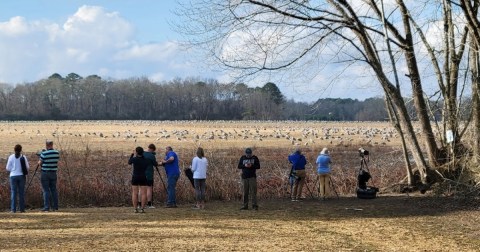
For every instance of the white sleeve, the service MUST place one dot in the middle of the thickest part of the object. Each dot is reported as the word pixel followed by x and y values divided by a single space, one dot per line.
pixel 9 163
pixel 194 164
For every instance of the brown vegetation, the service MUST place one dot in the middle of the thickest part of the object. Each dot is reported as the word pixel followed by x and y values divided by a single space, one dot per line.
pixel 94 171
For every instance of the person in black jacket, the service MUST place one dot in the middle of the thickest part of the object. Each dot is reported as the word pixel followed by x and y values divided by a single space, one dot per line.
pixel 139 179
pixel 249 164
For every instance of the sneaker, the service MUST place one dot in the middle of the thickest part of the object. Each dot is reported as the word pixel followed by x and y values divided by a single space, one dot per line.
pixel 151 207
pixel 142 210
pixel 294 200
pixel 136 210
pixel 45 210
pixel 244 208
pixel 196 207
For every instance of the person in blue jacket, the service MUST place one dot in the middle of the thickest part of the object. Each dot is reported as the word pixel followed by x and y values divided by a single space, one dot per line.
pixel 173 173
pixel 323 169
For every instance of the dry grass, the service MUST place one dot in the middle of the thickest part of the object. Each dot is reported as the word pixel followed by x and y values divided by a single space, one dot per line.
pixel 384 224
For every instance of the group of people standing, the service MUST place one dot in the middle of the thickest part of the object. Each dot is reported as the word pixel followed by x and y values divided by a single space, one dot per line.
pixel 298 174
pixel 18 167
pixel 143 164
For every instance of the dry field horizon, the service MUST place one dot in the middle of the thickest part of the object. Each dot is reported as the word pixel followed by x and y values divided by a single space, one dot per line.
pixel 125 135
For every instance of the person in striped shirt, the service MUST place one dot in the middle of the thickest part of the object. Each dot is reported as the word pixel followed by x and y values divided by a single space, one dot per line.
pixel 49 164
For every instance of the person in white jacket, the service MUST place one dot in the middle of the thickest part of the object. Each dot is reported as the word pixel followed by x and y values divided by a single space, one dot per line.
pixel 17 179
pixel 199 169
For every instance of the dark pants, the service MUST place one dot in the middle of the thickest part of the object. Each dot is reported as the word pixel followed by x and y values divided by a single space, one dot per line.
pixel 200 189
pixel 249 190
pixel 49 187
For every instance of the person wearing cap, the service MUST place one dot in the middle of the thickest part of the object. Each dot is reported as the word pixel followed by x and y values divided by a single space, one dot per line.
pixel 49 164
pixel 17 179
pixel 298 161
pixel 249 164
pixel 323 169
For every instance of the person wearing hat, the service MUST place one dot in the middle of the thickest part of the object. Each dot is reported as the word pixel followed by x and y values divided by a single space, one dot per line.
pixel 249 164
pixel 49 163
pixel 323 168
pixel 298 161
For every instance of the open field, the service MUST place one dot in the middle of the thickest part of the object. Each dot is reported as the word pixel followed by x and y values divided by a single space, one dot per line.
pixel 125 135
pixel 397 223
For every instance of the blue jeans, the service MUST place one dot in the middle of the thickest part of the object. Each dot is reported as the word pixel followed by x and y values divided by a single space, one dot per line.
pixel 49 187
pixel 171 188
pixel 17 187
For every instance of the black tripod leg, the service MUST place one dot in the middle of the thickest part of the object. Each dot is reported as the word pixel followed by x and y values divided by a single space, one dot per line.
pixel 161 179
pixel 33 176
pixel 333 187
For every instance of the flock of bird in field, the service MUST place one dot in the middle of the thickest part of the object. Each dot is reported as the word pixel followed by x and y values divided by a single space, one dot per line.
pixel 286 133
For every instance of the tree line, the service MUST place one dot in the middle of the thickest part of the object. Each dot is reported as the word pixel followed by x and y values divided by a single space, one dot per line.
pixel 74 97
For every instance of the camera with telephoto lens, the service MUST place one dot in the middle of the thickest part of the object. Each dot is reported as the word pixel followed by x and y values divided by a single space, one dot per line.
pixel 362 152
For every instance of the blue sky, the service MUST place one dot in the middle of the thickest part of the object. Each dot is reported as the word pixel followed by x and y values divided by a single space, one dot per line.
pixel 114 39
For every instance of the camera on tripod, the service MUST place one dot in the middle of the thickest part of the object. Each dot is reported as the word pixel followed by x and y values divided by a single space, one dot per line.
pixel 363 152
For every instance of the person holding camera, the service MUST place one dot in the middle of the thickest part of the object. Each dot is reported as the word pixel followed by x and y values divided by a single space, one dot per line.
pixel 150 155
pixel 173 173
pixel 249 164
pixel 199 169
pixel 139 180
pixel 49 162
pixel 298 161
pixel 18 166
pixel 323 169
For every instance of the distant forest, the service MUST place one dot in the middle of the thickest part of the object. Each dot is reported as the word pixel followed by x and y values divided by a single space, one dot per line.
pixel 93 98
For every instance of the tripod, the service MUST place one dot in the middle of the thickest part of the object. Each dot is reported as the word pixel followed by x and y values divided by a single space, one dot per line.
pixel 161 179
pixel 332 185
pixel 364 172
pixel 29 183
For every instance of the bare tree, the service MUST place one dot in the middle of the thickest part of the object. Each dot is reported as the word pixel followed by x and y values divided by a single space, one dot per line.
pixel 426 40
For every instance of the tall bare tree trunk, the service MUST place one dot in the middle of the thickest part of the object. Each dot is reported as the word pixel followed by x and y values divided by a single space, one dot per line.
pixel 475 69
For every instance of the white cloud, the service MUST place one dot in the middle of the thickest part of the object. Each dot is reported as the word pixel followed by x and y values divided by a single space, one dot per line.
pixel 151 52
pixel 16 26
pixel 90 41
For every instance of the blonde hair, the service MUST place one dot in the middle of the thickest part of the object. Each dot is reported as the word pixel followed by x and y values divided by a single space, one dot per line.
pixel 324 151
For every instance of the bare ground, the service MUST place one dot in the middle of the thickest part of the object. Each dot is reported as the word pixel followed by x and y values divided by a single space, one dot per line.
pixel 388 223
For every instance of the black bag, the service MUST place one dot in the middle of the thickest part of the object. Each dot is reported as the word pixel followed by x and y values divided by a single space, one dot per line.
pixel 367 193
pixel 363 178
pixel 24 166
pixel 189 174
